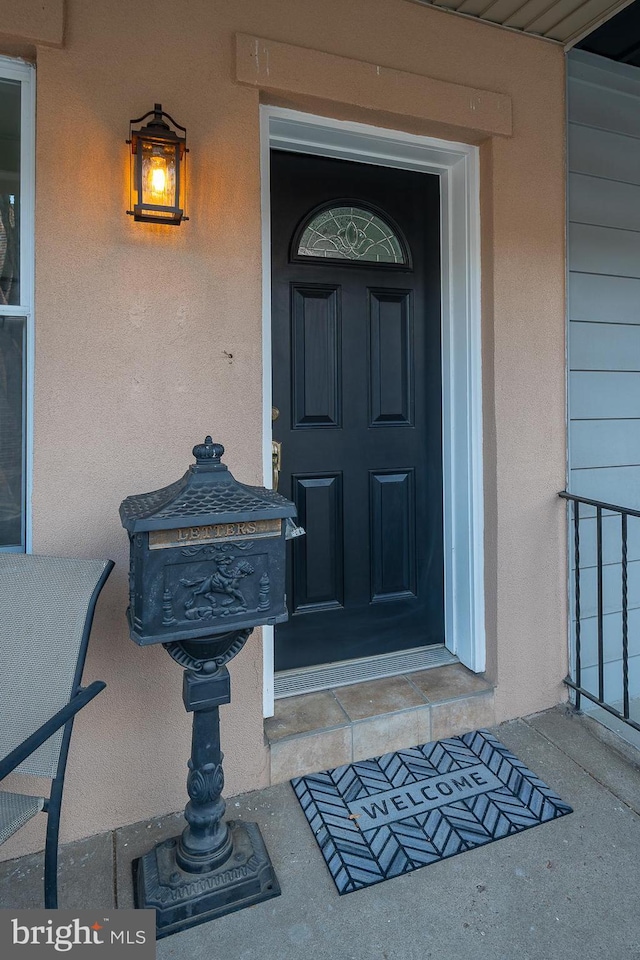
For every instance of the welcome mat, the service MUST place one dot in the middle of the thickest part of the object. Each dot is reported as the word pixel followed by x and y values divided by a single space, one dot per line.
pixel 379 818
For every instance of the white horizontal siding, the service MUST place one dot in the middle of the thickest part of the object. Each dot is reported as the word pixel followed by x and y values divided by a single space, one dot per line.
pixel 602 299
pixel 604 349
pixel 601 346
pixel 603 154
pixel 605 109
pixel 605 203
pixel 604 395
pixel 613 679
pixel 604 250
pixel 611 538
pixel 616 485
pixel 600 443
pixel 611 637
pixel 611 589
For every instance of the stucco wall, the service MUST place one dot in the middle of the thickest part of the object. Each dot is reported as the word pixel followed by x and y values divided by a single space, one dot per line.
pixel 148 338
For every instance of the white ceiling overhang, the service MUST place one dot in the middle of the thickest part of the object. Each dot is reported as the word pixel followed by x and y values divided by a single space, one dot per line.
pixel 564 21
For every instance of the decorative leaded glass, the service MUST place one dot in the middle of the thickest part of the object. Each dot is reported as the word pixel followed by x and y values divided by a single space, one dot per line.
pixel 350 233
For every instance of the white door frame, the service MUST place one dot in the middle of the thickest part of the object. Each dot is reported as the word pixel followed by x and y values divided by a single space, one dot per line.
pixel 458 167
pixel 24 72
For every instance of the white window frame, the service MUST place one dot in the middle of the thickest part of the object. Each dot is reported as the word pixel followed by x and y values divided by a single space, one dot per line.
pixel 11 69
pixel 458 167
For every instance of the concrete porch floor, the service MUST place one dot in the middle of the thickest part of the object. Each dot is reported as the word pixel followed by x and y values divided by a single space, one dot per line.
pixel 567 889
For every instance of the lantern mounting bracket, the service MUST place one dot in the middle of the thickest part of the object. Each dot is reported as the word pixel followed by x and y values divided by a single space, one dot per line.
pixel 158 113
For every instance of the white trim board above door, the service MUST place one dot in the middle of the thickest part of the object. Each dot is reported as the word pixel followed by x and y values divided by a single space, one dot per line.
pixel 457 166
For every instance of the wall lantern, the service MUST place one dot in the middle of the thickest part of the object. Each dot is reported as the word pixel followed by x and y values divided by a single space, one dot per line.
pixel 157 169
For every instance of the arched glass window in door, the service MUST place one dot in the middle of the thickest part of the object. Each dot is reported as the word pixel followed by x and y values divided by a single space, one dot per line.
pixel 349 232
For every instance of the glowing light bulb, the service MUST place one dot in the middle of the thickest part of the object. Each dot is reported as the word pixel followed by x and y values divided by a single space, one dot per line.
pixel 158 180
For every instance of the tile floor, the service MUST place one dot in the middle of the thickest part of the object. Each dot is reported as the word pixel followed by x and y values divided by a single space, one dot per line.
pixel 328 728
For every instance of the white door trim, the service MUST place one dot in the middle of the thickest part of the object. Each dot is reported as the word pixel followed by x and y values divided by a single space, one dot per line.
pixel 457 165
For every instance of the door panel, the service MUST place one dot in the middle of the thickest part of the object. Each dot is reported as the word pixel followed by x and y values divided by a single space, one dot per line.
pixel 391 358
pixel 357 380
pixel 317 342
pixel 393 545
pixel 318 562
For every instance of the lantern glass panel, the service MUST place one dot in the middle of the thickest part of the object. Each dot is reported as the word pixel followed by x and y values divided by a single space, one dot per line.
pixel 158 185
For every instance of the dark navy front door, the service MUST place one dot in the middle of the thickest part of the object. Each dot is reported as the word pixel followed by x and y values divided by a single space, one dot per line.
pixel 357 395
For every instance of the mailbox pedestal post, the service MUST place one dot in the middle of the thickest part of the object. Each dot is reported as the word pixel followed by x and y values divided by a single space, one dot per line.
pixel 207 566
pixel 215 866
pixel 207 842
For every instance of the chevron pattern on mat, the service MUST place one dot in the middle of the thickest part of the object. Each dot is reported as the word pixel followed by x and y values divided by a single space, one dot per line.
pixel 379 818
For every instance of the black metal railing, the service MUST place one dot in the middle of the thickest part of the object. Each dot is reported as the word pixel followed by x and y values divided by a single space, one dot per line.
pixel 575 682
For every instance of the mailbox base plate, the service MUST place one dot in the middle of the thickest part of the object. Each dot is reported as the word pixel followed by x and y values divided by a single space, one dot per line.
pixel 182 899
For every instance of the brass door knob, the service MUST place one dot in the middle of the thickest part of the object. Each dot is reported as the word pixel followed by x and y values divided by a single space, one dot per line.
pixel 276 462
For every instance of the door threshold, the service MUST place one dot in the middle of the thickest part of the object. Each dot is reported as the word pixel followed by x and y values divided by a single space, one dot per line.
pixel 290 683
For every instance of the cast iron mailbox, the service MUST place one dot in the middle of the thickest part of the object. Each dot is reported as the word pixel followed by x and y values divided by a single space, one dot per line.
pixel 207 554
pixel 207 565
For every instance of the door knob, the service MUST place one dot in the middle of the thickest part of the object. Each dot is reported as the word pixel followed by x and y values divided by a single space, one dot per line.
pixel 276 462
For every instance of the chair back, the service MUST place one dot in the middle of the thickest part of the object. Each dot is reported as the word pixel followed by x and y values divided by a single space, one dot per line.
pixel 46 610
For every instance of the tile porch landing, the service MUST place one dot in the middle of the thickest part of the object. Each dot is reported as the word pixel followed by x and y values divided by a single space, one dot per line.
pixel 328 728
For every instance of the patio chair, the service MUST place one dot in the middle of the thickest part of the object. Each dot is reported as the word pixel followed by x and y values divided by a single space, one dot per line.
pixel 46 611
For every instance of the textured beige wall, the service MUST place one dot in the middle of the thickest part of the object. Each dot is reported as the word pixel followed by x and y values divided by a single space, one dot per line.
pixel 33 21
pixel 150 337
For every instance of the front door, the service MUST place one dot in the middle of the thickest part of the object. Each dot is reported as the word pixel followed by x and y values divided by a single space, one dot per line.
pixel 357 406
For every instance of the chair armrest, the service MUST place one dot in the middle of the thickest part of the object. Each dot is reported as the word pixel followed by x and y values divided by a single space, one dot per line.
pixel 49 727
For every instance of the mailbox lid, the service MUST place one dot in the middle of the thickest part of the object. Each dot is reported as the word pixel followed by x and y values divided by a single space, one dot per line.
pixel 208 493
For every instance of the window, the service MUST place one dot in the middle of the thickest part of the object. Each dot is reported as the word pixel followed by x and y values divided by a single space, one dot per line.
pixel 16 298
pixel 351 233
